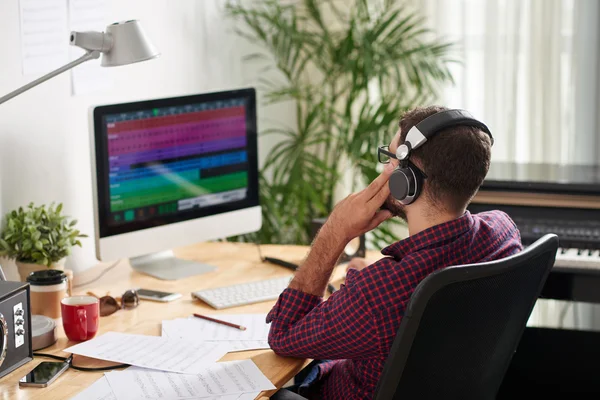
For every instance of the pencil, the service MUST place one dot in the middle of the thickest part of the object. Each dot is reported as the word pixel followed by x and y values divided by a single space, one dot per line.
pixel 218 321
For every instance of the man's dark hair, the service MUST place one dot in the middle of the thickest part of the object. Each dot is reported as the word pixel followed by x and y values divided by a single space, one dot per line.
pixel 455 160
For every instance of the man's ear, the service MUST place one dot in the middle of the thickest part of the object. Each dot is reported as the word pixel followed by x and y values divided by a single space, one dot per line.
pixel 396 140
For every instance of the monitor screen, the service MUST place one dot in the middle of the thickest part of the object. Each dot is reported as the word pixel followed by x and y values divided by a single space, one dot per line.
pixel 170 160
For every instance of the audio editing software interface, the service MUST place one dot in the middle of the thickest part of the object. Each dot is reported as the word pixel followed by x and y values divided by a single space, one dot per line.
pixel 168 160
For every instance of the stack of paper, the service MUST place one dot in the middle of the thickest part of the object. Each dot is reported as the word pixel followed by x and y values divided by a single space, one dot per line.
pixel 242 378
pixel 198 330
pixel 169 368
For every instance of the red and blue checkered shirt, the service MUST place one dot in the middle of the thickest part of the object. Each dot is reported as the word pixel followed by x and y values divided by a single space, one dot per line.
pixel 356 326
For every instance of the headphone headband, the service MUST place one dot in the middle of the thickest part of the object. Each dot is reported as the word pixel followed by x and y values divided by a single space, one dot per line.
pixel 406 181
pixel 435 123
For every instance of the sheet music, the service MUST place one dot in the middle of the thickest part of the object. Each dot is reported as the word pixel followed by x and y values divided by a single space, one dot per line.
pixel 101 390
pixel 242 345
pixel 44 35
pixel 201 329
pixel 88 15
pixel 216 380
pixel 181 330
pixel 153 352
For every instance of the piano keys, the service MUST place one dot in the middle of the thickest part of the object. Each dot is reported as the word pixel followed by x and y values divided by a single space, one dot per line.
pixel 578 258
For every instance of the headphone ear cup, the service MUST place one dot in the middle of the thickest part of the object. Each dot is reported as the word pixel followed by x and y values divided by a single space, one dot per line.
pixel 405 184
pixel 418 184
pixel 400 183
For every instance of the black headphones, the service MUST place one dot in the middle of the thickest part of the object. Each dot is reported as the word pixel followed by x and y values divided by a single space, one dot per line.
pixel 407 180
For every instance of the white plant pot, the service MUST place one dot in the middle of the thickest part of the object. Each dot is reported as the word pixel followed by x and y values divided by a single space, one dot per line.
pixel 27 268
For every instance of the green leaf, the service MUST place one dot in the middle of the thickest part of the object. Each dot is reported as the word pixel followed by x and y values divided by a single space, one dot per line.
pixel 39 234
pixel 349 70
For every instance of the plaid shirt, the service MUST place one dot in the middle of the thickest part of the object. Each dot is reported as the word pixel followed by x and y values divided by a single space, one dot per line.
pixel 356 326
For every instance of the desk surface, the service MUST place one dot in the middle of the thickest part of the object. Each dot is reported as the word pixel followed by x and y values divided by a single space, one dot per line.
pixel 237 263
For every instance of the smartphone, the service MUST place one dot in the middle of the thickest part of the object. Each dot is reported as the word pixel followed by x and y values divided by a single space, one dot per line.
pixel 44 374
pixel 156 295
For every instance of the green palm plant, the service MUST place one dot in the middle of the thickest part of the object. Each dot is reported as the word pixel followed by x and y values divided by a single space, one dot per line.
pixel 351 68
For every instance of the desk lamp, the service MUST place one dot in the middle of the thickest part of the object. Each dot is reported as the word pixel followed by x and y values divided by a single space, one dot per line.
pixel 123 43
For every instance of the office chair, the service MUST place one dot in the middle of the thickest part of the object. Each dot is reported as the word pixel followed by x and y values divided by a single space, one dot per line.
pixel 462 326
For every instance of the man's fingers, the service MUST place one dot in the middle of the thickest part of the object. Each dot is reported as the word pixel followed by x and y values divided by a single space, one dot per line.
pixel 377 200
pixel 381 216
pixel 379 182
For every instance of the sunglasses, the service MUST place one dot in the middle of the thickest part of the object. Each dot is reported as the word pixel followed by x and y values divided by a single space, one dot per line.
pixel 110 305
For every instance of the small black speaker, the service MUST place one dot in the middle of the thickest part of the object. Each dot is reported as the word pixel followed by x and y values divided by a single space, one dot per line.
pixel 356 248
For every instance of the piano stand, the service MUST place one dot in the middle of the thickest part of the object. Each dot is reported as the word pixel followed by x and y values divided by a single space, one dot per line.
pixel 573 284
pixel 554 363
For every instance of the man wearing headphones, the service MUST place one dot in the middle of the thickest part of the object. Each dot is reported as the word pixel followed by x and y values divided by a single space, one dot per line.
pixel 434 166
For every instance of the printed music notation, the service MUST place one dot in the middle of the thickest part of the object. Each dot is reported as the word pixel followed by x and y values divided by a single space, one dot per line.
pixel 44 35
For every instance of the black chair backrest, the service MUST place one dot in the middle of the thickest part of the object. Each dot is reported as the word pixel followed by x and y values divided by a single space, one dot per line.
pixel 463 324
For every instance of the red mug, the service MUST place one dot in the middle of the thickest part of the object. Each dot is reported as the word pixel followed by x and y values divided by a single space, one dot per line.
pixel 80 317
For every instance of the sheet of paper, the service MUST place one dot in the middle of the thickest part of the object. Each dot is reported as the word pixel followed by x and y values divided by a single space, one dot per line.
pixel 99 390
pixel 242 345
pixel 44 35
pixel 200 329
pixel 218 379
pixel 88 15
pixel 153 352
pixel 247 396
pixel 176 329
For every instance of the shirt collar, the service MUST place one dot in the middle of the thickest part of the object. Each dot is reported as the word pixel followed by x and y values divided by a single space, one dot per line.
pixel 430 236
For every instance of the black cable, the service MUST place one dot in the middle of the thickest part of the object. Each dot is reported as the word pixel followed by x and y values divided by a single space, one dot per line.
pixel 99 276
pixel 75 367
pixel 330 288
pixel 257 243
pixel 98 369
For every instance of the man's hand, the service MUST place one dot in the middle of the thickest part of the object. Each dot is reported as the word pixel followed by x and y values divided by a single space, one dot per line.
pixel 356 214
pixel 360 212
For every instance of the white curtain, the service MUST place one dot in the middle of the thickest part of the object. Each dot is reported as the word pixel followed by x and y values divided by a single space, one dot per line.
pixel 529 69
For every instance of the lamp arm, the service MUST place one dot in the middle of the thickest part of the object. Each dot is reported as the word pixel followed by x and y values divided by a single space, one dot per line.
pixel 90 55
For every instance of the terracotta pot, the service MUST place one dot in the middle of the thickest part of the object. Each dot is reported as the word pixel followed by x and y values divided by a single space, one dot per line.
pixel 27 268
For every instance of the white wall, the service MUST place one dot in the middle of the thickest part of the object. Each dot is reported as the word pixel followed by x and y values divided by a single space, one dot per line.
pixel 44 142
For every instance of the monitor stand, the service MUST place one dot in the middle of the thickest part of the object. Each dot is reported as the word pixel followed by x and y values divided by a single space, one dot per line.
pixel 166 266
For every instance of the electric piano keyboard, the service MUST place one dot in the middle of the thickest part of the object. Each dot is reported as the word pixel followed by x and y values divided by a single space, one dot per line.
pixel 545 198
pixel 578 258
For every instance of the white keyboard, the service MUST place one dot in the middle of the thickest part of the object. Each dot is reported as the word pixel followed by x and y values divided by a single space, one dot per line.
pixel 577 258
pixel 244 293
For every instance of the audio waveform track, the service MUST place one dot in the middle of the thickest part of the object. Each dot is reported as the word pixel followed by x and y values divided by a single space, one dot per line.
pixel 165 163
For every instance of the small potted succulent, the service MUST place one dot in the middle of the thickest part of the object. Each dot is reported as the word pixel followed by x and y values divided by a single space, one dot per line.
pixel 38 238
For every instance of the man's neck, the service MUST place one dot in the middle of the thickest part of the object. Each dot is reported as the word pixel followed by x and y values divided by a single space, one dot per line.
pixel 419 222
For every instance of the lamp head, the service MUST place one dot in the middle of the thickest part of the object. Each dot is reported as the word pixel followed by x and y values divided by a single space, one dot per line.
pixel 123 43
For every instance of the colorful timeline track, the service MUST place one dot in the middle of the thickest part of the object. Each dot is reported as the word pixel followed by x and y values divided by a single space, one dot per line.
pixel 169 158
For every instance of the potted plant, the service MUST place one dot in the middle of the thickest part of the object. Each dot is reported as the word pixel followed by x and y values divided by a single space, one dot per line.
pixel 38 238
pixel 348 69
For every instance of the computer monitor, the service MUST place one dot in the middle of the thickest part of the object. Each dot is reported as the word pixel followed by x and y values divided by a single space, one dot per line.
pixel 173 172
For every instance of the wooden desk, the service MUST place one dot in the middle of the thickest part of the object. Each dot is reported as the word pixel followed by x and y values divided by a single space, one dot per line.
pixel 237 263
